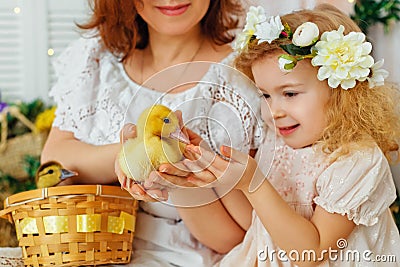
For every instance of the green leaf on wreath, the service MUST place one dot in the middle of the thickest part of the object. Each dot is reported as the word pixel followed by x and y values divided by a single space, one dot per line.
pixel 293 50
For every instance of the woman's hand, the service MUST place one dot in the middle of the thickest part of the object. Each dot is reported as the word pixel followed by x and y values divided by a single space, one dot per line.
pixel 135 189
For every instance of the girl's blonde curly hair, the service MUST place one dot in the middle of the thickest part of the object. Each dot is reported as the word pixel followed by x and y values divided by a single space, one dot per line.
pixel 358 117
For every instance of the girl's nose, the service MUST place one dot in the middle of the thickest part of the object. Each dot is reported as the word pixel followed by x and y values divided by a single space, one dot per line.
pixel 277 111
pixel 278 114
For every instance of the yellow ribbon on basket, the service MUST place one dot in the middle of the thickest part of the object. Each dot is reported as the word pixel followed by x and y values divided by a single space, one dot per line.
pixel 85 223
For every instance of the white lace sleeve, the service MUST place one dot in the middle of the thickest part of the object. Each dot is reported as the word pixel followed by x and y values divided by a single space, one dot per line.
pixel 235 116
pixel 75 69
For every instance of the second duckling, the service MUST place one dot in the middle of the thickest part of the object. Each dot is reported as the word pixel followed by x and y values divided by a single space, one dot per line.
pixel 51 173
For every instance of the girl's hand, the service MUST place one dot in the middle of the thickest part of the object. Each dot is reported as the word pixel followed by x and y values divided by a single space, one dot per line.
pixel 136 190
pixel 209 169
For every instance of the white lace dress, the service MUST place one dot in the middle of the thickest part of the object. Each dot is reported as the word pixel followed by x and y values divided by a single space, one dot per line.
pixel 93 93
pixel 359 186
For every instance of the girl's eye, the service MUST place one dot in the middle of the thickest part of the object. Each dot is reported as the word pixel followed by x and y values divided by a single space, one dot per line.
pixel 290 94
pixel 266 96
pixel 166 120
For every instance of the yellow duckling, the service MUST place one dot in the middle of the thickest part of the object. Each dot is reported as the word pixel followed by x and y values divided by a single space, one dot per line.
pixel 51 173
pixel 159 140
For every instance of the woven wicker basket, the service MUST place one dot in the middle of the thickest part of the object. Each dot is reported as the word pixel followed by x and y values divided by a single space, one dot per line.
pixel 13 150
pixel 73 225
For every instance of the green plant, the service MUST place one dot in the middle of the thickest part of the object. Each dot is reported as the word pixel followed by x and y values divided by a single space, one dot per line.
pixel 30 110
pixel 32 163
pixel 9 185
pixel 370 12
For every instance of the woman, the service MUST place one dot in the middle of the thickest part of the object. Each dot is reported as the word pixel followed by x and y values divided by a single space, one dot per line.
pixel 104 75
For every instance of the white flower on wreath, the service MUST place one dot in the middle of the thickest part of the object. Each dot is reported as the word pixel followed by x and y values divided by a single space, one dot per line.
pixel 343 59
pixel 269 31
pixel 286 63
pixel 306 34
pixel 241 41
pixel 378 75
pixel 255 16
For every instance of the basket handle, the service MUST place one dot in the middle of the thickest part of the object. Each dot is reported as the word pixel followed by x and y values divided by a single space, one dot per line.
pixel 6 213
pixel 13 110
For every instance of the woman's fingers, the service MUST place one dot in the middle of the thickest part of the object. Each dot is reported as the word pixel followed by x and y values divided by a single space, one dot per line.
pixel 127 132
pixel 158 180
pixel 177 169
pixel 132 187
pixel 158 195
pixel 136 190
pixel 139 193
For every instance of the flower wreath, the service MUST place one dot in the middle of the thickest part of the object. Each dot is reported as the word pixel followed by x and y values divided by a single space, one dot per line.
pixel 342 59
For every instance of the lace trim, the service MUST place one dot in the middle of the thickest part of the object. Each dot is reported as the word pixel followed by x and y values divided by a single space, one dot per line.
pixel 11 261
pixel 225 94
pixel 113 113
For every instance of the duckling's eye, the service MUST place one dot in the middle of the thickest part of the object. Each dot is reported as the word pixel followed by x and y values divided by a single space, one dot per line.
pixel 166 120
pixel 50 172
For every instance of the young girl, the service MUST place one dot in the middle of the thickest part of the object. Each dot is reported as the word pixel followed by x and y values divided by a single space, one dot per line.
pixel 326 193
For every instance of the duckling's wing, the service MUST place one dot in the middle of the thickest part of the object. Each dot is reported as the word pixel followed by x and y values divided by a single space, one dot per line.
pixel 138 158
pixel 135 160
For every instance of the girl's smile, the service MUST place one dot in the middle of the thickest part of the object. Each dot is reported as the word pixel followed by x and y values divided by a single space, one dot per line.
pixel 288 130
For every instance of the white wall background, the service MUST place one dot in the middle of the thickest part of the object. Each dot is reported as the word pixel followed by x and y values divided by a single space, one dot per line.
pixel 28 29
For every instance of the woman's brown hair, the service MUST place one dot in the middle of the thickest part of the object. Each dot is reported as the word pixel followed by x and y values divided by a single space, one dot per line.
pixel 355 116
pixel 122 29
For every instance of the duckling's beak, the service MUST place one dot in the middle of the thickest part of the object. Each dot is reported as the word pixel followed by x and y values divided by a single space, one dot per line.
pixel 66 174
pixel 180 136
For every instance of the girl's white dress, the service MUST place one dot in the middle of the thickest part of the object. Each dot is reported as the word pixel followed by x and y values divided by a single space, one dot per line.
pixel 359 186
pixel 92 94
